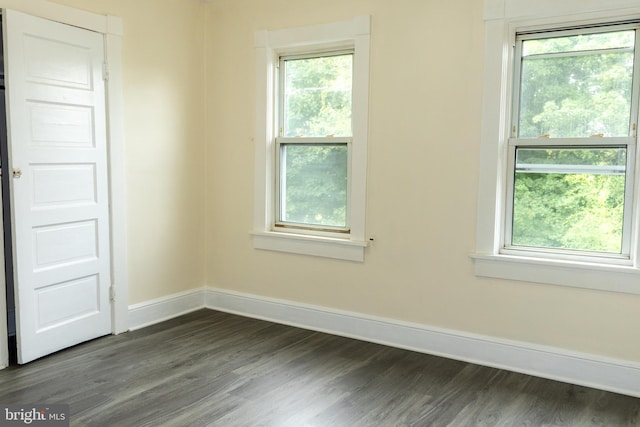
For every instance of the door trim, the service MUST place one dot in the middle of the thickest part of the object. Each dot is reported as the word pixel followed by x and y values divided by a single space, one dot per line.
pixel 111 28
pixel 117 174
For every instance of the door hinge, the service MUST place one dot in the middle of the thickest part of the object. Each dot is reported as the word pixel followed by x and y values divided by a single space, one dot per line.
pixel 112 293
pixel 105 71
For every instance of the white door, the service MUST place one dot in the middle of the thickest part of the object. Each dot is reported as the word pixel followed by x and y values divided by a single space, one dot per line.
pixel 58 158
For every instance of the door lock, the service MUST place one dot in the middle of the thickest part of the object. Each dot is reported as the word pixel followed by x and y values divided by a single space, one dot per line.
pixel 17 172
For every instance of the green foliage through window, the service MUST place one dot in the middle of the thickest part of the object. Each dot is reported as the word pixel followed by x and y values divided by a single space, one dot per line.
pixel 573 87
pixel 317 96
pixel 577 86
pixel 569 199
pixel 314 187
pixel 315 108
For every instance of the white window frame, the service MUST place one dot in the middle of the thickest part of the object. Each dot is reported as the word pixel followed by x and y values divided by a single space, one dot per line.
pixel 270 46
pixel 503 19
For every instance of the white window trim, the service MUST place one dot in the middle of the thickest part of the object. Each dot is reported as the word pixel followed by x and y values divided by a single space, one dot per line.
pixel 269 46
pixel 502 19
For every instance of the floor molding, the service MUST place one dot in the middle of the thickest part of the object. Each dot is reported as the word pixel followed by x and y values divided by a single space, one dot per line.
pixel 584 369
pixel 619 376
pixel 158 310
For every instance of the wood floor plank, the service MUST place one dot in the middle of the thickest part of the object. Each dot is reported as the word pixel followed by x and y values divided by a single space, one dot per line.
pixel 209 368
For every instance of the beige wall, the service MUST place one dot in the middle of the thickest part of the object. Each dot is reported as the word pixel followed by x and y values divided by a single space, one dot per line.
pixel 425 111
pixel 190 172
pixel 163 97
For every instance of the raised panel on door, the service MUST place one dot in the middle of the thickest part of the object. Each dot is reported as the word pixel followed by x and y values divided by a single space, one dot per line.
pixel 57 146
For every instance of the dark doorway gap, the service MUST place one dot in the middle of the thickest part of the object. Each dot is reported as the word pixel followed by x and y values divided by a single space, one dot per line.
pixel 6 213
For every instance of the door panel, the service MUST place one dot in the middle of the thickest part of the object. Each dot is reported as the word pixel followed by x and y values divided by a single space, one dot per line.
pixel 57 125
pixel 57 147
pixel 57 185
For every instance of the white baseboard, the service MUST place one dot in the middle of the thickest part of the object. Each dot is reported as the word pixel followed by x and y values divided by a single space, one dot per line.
pixel 165 308
pixel 619 376
pixel 584 369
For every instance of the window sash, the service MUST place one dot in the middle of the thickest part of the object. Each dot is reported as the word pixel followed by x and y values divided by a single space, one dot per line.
pixel 306 228
pixel 518 59
pixel 629 143
pixel 295 227
pixel 282 83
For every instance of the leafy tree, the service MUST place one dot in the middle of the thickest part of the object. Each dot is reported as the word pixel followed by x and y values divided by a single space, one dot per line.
pixel 316 184
pixel 318 96
pixel 570 211
pixel 576 95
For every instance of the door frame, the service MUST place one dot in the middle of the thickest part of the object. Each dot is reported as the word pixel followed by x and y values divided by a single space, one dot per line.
pixel 111 29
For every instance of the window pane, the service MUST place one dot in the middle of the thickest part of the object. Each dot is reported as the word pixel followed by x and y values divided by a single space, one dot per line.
pixel 579 43
pixel 577 86
pixel 317 96
pixel 314 184
pixel 569 198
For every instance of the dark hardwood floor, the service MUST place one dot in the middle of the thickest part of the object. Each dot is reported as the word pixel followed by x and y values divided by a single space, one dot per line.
pixel 215 369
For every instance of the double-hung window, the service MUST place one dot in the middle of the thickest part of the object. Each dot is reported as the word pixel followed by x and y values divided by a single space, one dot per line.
pixel 571 152
pixel 314 143
pixel 311 139
pixel 559 176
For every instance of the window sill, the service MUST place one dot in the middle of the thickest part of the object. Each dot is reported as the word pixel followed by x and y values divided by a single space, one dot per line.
pixel 327 247
pixel 612 278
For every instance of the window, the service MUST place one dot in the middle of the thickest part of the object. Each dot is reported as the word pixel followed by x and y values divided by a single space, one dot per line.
pixel 558 172
pixel 311 139
pixel 314 143
pixel 571 154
